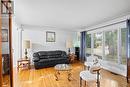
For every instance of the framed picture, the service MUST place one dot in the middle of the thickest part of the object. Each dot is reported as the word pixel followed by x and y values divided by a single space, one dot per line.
pixel 50 36
pixel 4 35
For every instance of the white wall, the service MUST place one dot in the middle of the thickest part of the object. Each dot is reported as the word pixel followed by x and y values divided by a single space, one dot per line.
pixel 115 67
pixel 38 42
pixel 15 43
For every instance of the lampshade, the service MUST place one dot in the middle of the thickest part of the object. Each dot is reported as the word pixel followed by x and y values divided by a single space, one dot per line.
pixel 26 44
pixel 69 44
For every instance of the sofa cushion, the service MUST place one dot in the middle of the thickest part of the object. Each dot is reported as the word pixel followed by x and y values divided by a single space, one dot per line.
pixel 43 60
pixel 44 57
pixel 56 59
pixel 42 53
pixel 35 55
pixel 58 52
pixel 54 56
pixel 46 53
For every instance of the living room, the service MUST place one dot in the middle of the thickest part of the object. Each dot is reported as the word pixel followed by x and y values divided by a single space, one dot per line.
pixel 65 43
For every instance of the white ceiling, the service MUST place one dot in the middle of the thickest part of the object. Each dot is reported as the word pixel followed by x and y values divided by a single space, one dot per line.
pixel 68 14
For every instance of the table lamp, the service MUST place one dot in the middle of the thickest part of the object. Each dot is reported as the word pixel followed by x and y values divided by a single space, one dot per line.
pixel 26 46
pixel 69 45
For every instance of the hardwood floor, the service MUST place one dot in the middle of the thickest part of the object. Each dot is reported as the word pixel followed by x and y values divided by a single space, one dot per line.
pixel 45 78
pixel 6 81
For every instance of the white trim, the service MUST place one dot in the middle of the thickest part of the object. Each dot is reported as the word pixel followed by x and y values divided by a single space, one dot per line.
pixel 20 42
pixel 109 28
pixel 50 28
pixel 103 45
pixel 109 22
pixel 92 43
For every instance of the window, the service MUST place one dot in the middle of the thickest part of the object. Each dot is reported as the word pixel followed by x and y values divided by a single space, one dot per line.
pixel 111 46
pixel 123 43
pixel 108 43
pixel 88 44
pixel 98 44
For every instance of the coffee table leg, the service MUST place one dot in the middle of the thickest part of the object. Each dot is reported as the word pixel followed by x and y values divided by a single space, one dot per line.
pixel 56 75
pixel 69 75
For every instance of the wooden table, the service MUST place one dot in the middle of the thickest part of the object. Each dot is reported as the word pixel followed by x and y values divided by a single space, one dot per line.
pixel 23 63
pixel 72 57
pixel 62 68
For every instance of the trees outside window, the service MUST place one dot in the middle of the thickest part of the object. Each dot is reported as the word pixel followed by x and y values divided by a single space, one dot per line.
pixel 123 45
pixel 98 44
pixel 88 44
pixel 108 45
pixel 111 46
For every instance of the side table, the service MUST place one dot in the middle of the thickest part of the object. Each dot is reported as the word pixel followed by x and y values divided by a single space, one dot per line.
pixel 23 63
pixel 72 57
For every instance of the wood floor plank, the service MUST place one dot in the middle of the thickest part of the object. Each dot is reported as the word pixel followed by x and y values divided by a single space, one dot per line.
pixel 45 78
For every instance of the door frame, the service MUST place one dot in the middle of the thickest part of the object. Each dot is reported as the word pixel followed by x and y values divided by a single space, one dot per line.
pixel 10 44
pixel 1 80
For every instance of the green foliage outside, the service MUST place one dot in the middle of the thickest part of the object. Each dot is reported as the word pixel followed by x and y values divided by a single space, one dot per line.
pixel 123 47
pixel 88 40
pixel 111 43
pixel 88 43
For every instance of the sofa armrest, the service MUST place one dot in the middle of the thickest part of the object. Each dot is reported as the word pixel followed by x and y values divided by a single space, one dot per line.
pixel 36 59
pixel 65 56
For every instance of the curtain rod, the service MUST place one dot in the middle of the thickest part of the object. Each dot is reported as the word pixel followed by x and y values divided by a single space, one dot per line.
pixel 107 25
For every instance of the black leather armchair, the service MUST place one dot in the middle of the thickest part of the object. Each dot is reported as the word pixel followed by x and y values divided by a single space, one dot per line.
pixel 43 59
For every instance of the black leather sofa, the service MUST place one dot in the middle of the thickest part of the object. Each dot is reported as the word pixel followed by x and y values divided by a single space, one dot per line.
pixel 43 59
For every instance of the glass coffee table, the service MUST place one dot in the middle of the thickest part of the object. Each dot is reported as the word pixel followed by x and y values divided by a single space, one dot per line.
pixel 64 68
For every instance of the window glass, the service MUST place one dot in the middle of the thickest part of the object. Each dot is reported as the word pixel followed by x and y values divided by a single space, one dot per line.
pixel 111 46
pixel 88 44
pixel 110 41
pixel 98 44
pixel 123 43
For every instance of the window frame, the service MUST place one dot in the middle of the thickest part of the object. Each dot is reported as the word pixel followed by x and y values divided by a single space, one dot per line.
pixel 119 44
